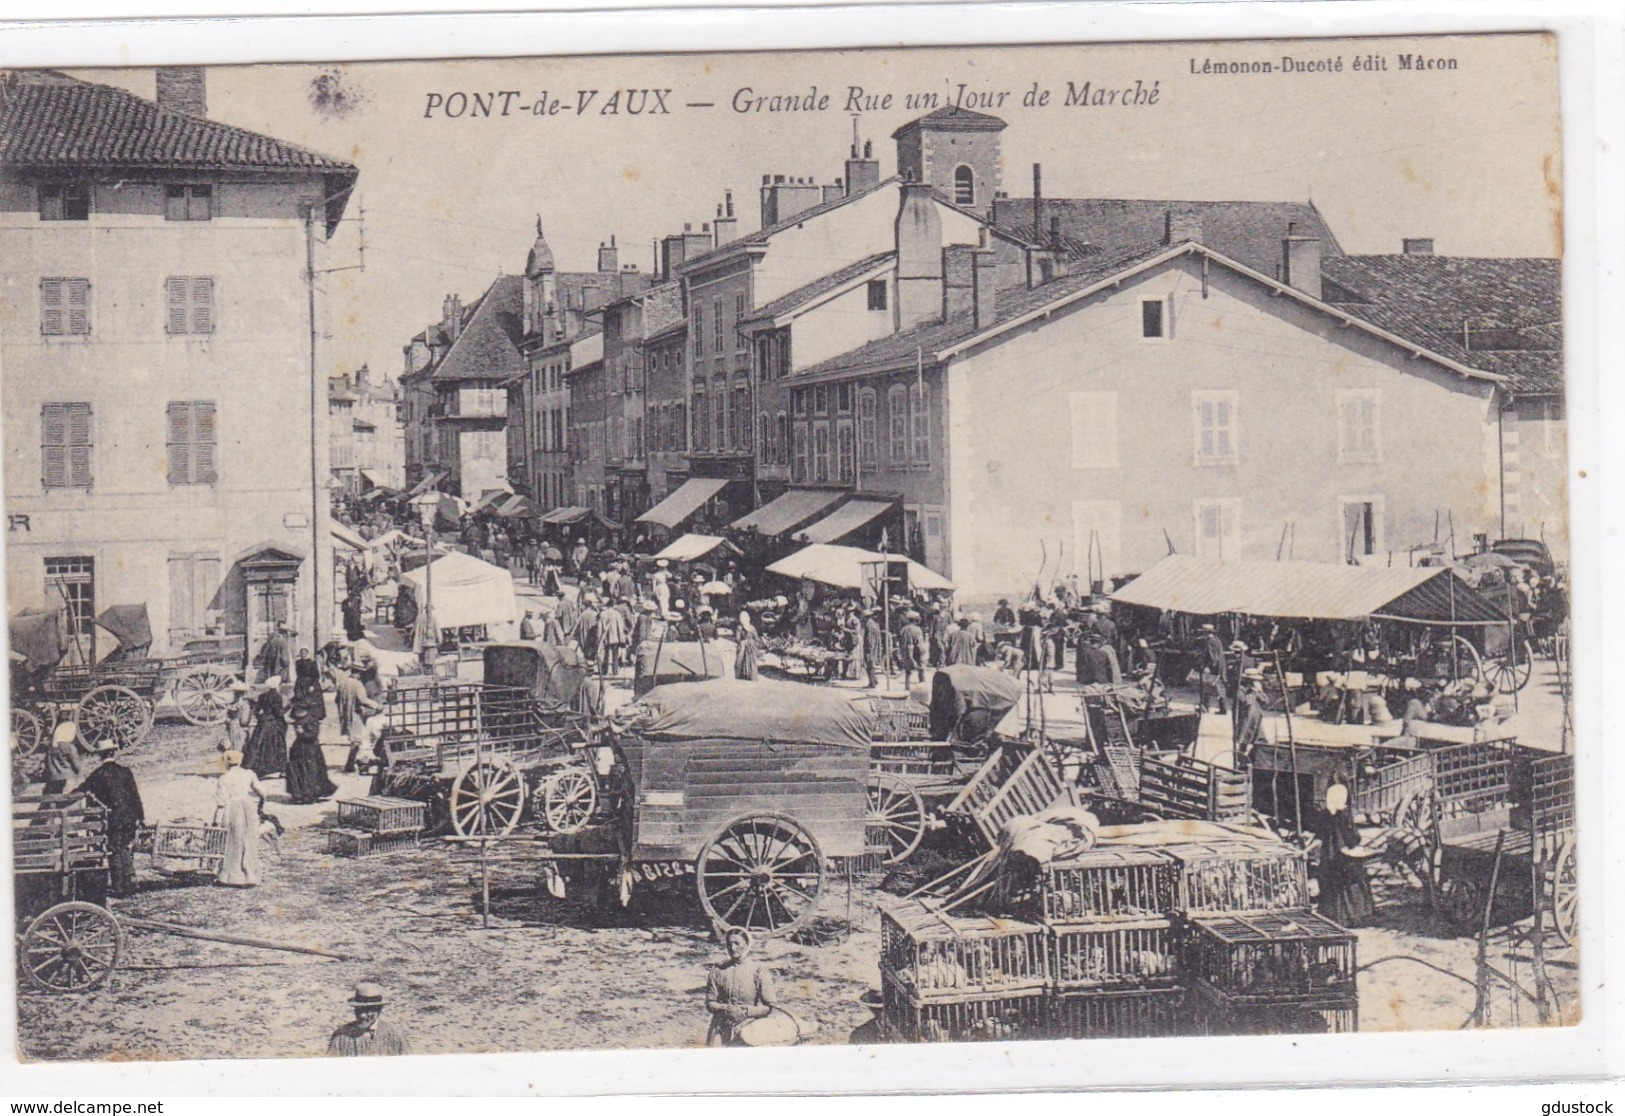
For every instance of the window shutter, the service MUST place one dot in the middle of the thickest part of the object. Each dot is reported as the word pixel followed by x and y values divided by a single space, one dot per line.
pixel 203 443
pixel 54 450
pixel 78 430
pixel 180 431
pixel 78 305
pixel 50 298
pixel 202 306
pixel 182 620
pixel 175 291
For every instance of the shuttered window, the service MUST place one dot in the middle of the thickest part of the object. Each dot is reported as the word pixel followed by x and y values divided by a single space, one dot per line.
pixel 65 445
pixel 64 307
pixel 194 580
pixel 190 303
pixel 192 443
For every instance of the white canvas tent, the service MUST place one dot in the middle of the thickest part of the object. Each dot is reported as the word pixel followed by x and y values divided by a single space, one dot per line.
pixel 467 592
pixel 844 567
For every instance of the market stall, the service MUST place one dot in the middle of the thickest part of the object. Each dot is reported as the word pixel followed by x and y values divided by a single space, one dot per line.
pixel 467 595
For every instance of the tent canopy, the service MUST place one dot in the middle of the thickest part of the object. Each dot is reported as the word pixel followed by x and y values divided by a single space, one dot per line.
pixel 490 499
pixel 728 709
pixel 348 537
pixel 467 591
pixel 128 624
pixel 689 498
pixel 691 548
pixel 849 567
pixel 570 514
pixel 789 511
pixel 844 520
pixel 1310 591
pixel 516 507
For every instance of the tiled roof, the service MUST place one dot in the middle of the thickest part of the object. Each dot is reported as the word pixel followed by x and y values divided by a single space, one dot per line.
pixel 1513 307
pixel 821 286
pixel 761 236
pixel 52 121
pixel 487 348
pixel 1245 231
pixel 954 118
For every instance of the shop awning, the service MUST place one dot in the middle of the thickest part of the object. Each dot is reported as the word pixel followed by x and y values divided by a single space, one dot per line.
pixel 490 500
pixel 375 478
pixel 689 498
pixel 428 482
pixel 1309 591
pixel 788 512
pixel 516 507
pixel 348 537
pixel 691 548
pixel 849 567
pixel 565 515
pixel 844 520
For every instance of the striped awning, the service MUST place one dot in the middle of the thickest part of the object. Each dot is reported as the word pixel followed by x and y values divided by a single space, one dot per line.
pixel 788 512
pixel 844 520
pixel 681 505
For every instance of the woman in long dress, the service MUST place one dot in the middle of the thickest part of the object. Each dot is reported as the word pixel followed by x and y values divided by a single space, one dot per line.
pixel 307 765
pixel 745 655
pixel 267 752
pixel 1345 891
pixel 237 797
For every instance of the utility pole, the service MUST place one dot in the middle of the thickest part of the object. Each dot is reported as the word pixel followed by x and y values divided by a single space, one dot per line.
pixel 316 488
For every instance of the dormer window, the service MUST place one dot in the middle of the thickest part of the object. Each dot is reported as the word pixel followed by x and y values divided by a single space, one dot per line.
pixel 189 202
pixel 64 201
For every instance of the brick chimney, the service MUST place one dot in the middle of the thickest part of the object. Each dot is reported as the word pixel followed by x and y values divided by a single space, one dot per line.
pixel 862 171
pixel 180 89
pixel 451 311
pixel 1182 225
pixel 1418 246
pixel 986 308
pixel 958 281
pixel 919 257
pixel 1300 262
pixel 726 224
pixel 609 257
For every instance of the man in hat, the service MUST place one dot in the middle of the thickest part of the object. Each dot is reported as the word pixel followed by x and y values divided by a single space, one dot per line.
pixel 578 557
pixel 1096 666
pixel 368 1035
pixel 1249 722
pixel 1211 664
pixel 239 717
pixel 914 648
pixel 1004 616
pixel 874 640
pixel 276 654
pixel 961 647
pixel 527 626
pixel 67 759
pixel 114 787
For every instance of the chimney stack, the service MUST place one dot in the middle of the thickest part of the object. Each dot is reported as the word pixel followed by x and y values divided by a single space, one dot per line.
pixel 1300 262
pixel 609 257
pixel 1038 202
pixel 1181 225
pixel 1419 246
pixel 919 257
pixel 452 320
pixel 181 89
pixel 958 281
pixel 985 305
pixel 862 171
pixel 726 224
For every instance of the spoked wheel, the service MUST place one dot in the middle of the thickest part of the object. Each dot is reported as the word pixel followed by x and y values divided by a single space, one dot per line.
pixel 1510 671
pixel 487 799
pixel 72 947
pixel 114 713
pixel 27 733
pixel 762 872
pixel 203 693
pixel 1461 902
pixel 1413 840
pixel 896 819
pixel 568 799
pixel 1565 894
pixel 1469 664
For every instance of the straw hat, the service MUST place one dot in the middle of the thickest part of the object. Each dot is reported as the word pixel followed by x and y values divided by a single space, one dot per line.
pixel 368 994
pixel 1252 674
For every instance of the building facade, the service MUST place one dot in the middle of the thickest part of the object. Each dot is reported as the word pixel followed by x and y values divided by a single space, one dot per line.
pixel 366 436
pixel 154 271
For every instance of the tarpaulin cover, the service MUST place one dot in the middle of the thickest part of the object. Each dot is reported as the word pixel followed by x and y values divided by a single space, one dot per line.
pixel 1308 591
pixel 128 624
pixel 556 675
pixel 690 548
pixel 844 520
pixel 689 498
pixel 795 507
pixel 676 661
pixel 850 567
pixel 40 635
pixel 467 591
pixel 961 689
pixel 727 709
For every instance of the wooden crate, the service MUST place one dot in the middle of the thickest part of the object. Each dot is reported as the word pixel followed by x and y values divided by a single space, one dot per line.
pixel 1269 954
pixel 912 757
pixel 381 815
pixel 966 1018
pixel 937 956
pixel 1214 1013
pixel 358 843
pixel 1097 955
pixel 184 846
pixel 58 834
pixel 900 720
pixel 1226 876
pixel 1121 1013
pixel 1103 883
pixel 1179 786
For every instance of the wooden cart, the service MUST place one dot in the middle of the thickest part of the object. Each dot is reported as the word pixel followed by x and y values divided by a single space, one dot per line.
pixel 67 940
pixel 1388 786
pixel 912 778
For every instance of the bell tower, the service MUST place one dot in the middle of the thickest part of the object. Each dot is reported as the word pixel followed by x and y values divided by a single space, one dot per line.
pixel 955 151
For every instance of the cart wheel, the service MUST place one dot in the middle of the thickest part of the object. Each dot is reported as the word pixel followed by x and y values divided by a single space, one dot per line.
pixel 203 693
pixel 896 820
pixel 114 713
pixel 487 799
pixel 1461 902
pixel 1469 664
pixel 762 872
pixel 27 733
pixel 71 948
pixel 1414 814
pixel 568 800
pixel 1510 671
pixel 1565 894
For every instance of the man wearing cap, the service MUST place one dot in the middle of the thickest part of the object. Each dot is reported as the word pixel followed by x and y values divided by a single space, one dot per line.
pixel 527 626
pixel 1210 655
pixel 913 647
pixel 1096 666
pixel 1248 727
pixel 961 647
pixel 275 655
pixel 368 1035
pixel 114 787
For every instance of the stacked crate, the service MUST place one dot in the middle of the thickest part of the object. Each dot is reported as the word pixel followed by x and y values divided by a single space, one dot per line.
pixel 1271 972
pixel 377 824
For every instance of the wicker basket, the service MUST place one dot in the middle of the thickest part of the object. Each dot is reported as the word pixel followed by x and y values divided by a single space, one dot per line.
pixel 356 842
pixel 1228 876
pixel 1114 883
pixel 386 817
pixel 1214 1013
pixel 1269 954
pixel 938 956
pixel 1126 1013
pixel 187 847
pixel 965 1018
pixel 1094 955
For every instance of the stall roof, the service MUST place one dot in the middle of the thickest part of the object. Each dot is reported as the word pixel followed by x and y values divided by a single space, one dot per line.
pixel 789 511
pixel 690 548
pixel 349 537
pixel 427 483
pixel 375 478
pixel 570 514
pixel 490 500
pixel 689 498
pixel 1309 591
pixel 516 506
pixel 466 591
pixel 728 709
pixel 843 567
pixel 844 520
